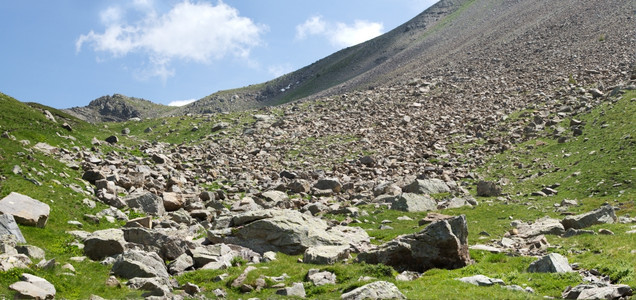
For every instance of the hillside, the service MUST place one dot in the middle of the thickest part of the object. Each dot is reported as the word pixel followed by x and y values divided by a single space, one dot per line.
pixel 491 155
pixel 119 108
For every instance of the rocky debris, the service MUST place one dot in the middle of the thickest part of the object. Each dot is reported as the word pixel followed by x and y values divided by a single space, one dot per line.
pixel 8 226
pixel 241 278
pixel 146 202
pixel 330 184
pixel 603 215
pixel 433 217
pixel 597 291
pixel 154 286
pixel 442 244
pixel 168 244
pixel 319 278
pixel 33 252
pixel 551 263
pixel 481 280
pixel 33 287
pixel 135 263
pixel 541 226
pixel 374 290
pixel 325 255
pixel 427 186
pixel 181 264
pixel 14 261
pixel 286 231
pixel 296 290
pixel 413 202
pixel 25 210
pixel 104 243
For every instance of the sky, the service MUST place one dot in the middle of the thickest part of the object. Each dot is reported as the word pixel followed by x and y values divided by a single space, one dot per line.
pixel 66 53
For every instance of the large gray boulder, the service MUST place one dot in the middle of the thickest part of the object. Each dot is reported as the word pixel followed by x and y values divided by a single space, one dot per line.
pixel 488 189
pixel 481 280
pixel 146 202
pixel 551 263
pixel 169 247
pixel 325 255
pixel 374 290
pixel 135 263
pixel 14 261
pixel 597 291
pixel 414 202
pixel 25 210
pixel 603 215
pixel 8 226
pixel 541 226
pixel 332 184
pixel 427 186
pixel 286 231
pixel 104 243
pixel 33 287
pixel 442 244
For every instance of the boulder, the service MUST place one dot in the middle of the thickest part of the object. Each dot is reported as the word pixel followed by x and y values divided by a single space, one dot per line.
pixel 551 263
pixel 603 215
pixel 541 226
pixel 155 286
pixel 104 243
pixel 332 184
pixel 168 247
pixel 272 199
pixel 488 189
pixel 219 253
pixel 135 263
pixel 112 139
pixel 8 226
pixel 442 244
pixel 597 291
pixel 32 252
pixel 172 201
pixel 318 277
pixel 481 280
pixel 14 261
pixel 286 231
pixel 413 203
pixel 296 290
pixel 34 286
pixel 374 290
pixel 25 210
pixel 325 255
pixel 427 186
pixel 146 202
pixel 180 264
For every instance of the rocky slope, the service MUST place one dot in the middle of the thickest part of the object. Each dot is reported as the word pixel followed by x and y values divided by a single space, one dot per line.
pixel 118 108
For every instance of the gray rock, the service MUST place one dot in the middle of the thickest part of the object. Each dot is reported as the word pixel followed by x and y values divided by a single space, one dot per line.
pixel 155 286
pixel 488 189
pixel 27 290
pixel 551 263
pixel 597 291
pixel 572 232
pixel 40 283
pixel 407 276
pixel 159 158
pixel 25 210
pixel 427 186
pixel 172 201
pixel 442 244
pixel 325 255
pixel 180 264
pixel 112 139
pixel 332 184
pixel 32 252
pixel 481 280
pixel 319 278
pixel 374 290
pixel 104 243
pixel 8 226
pixel 541 226
pixel 272 199
pixel 14 261
pixel 296 290
pixel 269 256
pixel 219 253
pixel 286 231
pixel 168 247
pixel 413 203
pixel 134 263
pixel 299 186
pixel 191 288
pixel 220 126
pixel 146 202
pixel 603 215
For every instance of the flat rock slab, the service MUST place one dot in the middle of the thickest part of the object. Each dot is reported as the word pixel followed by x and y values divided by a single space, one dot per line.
pixel 325 255
pixel 25 210
pixel 603 215
pixel 481 280
pixel 374 290
pixel 9 226
pixel 551 263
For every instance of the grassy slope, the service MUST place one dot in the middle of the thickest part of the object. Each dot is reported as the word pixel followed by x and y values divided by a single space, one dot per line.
pixel 611 143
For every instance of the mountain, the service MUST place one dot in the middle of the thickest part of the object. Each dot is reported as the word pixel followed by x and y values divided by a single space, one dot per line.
pixel 118 108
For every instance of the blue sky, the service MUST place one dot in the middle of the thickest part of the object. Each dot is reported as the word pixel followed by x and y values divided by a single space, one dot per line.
pixel 66 53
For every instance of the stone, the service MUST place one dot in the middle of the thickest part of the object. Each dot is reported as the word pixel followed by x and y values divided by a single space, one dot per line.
pixel 172 201
pixel 442 244
pixel 27 290
pixel 488 189
pixel 408 276
pixel 46 264
pixel 332 184
pixel 325 255
pixel 433 217
pixel 603 215
pixel 272 199
pixel 286 231
pixel 296 290
pixel 154 286
pixel 145 222
pixel 541 226
pixel 32 252
pixel 25 210
pixel 112 139
pixel 103 243
pixel 191 288
pixel 166 246
pixel 427 186
pixel 146 202
pixel 572 232
pixel 319 278
pixel 490 249
pixel 481 280
pixel 220 126
pixel 597 291
pixel 135 263
pixel 241 278
pixel 14 261
pixel 180 264
pixel 551 263
pixel 374 290
pixel 410 202
pixel 159 158
pixel 40 283
pixel 299 186
pixel 269 256
pixel 8 226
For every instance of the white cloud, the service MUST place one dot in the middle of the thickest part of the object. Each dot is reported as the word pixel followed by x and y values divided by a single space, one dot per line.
pixel 181 102
pixel 199 32
pixel 339 34
pixel 314 25
pixel 280 70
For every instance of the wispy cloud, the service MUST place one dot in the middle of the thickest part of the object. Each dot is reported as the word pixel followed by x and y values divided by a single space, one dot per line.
pixel 181 102
pixel 339 34
pixel 280 70
pixel 199 32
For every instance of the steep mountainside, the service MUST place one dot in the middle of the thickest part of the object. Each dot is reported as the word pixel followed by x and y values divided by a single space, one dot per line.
pixel 118 108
